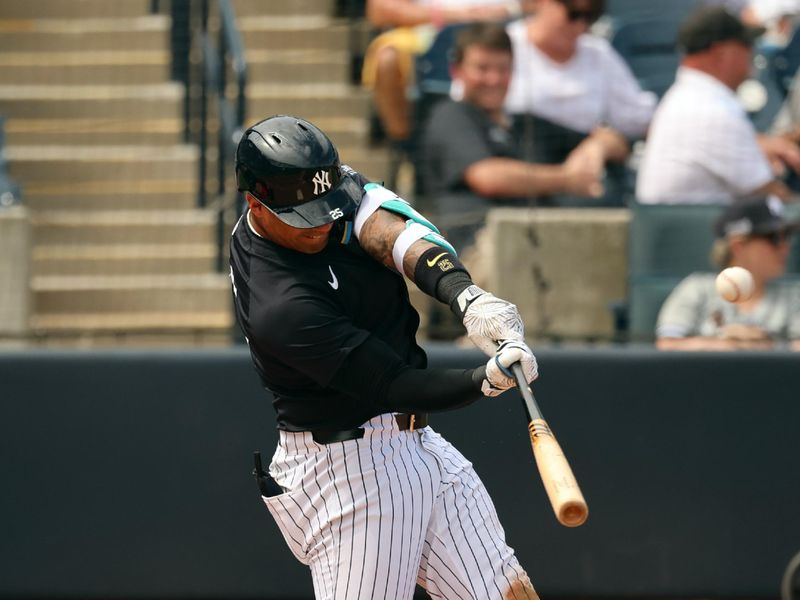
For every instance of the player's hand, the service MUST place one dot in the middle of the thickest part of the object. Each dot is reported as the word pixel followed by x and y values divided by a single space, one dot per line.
pixel 489 320
pixel 499 377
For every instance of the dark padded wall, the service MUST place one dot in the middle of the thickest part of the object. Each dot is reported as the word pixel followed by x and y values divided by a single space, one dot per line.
pixel 127 474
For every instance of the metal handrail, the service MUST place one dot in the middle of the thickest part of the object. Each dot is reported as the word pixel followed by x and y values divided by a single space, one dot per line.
pixel 229 50
pixel 231 43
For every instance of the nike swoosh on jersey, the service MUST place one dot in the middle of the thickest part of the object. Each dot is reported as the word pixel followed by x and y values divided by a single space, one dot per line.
pixel 433 261
pixel 335 282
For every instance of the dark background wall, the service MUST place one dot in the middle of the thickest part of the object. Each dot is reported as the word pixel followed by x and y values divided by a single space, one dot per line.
pixel 128 474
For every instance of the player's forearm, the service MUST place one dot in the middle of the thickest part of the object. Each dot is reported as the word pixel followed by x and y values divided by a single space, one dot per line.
pixel 431 390
pixel 511 178
pixel 379 234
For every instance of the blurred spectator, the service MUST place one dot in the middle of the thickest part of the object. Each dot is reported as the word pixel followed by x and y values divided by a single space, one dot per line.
pixel 411 26
pixel 752 234
pixel 470 159
pixel 572 86
pixel 775 15
pixel 702 148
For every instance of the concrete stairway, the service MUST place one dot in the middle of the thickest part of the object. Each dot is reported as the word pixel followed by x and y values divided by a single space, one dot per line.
pixel 94 134
pixel 299 61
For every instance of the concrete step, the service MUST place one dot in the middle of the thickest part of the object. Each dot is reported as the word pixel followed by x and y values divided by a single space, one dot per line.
pixel 372 163
pixel 149 32
pixel 302 32
pixel 203 334
pixel 107 195
pixel 102 163
pixel 132 296
pixel 161 101
pixel 78 68
pixel 123 227
pixel 298 66
pixel 345 131
pixel 98 132
pixel 72 9
pixel 124 259
pixel 283 7
pixel 311 101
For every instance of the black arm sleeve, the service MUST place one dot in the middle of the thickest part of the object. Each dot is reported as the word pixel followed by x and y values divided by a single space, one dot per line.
pixel 379 378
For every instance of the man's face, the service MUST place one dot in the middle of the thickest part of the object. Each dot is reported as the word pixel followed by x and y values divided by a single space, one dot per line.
pixel 307 241
pixel 485 74
pixel 735 60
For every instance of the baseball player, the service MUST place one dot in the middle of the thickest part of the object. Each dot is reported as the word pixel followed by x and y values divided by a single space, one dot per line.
pixel 364 492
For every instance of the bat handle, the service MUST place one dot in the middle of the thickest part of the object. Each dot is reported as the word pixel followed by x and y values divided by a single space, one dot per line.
pixel 525 391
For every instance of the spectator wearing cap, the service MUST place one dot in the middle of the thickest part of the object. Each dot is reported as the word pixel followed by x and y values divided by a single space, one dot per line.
pixel 702 147
pixel 752 234
pixel 570 90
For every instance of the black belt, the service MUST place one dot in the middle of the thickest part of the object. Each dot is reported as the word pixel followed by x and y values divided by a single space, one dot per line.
pixel 405 422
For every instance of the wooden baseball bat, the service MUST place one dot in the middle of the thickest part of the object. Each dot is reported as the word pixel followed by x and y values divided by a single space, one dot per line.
pixel 559 482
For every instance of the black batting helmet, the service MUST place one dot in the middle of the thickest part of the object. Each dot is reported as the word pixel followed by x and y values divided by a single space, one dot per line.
pixel 293 169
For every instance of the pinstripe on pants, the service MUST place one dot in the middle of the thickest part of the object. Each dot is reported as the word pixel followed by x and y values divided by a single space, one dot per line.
pixel 372 517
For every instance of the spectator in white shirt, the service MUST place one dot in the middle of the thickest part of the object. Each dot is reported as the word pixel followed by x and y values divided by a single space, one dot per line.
pixel 570 87
pixel 702 148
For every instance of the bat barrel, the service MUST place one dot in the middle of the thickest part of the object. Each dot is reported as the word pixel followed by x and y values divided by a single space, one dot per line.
pixel 562 489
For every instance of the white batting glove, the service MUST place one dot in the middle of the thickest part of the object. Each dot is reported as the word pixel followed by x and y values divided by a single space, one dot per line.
pixel 499 377
pixel 489 320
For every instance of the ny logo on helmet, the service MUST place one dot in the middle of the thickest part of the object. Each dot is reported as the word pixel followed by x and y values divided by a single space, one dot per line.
pixel 322 182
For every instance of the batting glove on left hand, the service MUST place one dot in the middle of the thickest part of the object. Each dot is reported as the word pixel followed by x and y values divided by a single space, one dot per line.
pixel 499 377
pixel 489 320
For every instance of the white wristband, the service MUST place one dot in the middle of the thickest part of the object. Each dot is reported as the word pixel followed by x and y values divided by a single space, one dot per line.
pixel 414 232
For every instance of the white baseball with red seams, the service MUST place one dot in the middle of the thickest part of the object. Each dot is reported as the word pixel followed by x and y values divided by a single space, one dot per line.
pixel 735 284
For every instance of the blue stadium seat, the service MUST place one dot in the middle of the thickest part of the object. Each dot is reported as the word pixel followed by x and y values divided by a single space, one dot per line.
pixel 433 67
pixel 649 48
pixel 624 10
pixel 666 242
pixel 775 69
pixel 10 192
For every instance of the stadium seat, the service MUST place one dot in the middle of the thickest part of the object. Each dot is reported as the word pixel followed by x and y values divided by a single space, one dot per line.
pixel 432 84
pixel 670 239
pixel 765 75
pixel 10 192
pixel 433 67
pixel 432 72
pixel 624 10
pixel 666 243
pixel 648 46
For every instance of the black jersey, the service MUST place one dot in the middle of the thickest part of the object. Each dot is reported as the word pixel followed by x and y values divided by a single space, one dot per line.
pixel 303 314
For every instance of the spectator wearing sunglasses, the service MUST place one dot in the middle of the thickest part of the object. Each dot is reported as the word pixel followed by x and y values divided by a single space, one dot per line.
pixel 755 235
pixel 702 147
pixel 571 93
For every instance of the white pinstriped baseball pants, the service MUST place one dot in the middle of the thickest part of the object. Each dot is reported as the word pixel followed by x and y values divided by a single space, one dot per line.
pixel 372 517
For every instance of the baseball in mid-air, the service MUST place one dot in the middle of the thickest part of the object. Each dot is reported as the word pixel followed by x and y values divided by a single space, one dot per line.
pixel 735 284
